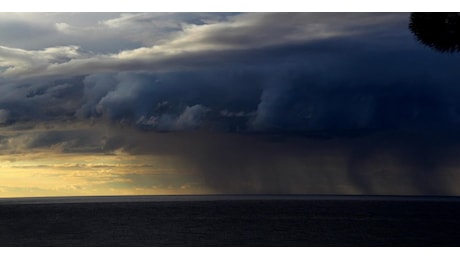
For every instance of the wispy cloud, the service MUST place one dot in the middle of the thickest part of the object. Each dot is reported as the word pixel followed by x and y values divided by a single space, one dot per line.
pixel 184 47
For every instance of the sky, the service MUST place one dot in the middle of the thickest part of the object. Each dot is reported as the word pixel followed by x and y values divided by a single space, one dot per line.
pixel 225 103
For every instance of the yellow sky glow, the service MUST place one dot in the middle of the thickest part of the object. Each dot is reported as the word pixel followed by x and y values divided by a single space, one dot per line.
pixel 58 174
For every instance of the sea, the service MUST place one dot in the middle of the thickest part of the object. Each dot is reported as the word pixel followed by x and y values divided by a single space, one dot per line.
pixel 230 221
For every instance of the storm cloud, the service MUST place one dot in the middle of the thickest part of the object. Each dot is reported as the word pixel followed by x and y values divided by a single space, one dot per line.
pixel 245 103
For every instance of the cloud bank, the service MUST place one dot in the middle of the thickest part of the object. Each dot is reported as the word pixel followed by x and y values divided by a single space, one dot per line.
pixel 242 103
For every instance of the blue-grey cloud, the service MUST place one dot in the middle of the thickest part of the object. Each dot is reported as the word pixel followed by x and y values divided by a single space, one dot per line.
pixel 312 91
pixel 197 40
pixel 293 103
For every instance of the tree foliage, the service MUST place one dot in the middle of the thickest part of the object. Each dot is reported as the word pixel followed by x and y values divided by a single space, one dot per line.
pixel 440 31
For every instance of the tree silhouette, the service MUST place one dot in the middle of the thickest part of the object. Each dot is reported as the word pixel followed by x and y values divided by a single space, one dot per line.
pixel 440 31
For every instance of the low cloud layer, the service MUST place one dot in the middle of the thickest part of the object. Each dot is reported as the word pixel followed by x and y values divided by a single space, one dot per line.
pixel 403 163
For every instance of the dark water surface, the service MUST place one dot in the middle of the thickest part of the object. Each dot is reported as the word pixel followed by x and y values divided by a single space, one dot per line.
pixel 231 221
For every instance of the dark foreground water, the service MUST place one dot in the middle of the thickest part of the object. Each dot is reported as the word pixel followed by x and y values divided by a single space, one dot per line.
pixel 231 221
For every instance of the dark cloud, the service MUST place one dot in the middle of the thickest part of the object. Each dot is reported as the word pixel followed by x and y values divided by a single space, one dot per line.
pixel 37 101
pixel 196 42
pixel 252 103
pixel 322 162
pixel 290 89
pixel 416 163
pixel 398 163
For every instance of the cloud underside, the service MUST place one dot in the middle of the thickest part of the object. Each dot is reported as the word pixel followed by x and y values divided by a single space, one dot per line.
pixel 97 159
pixel 228 72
